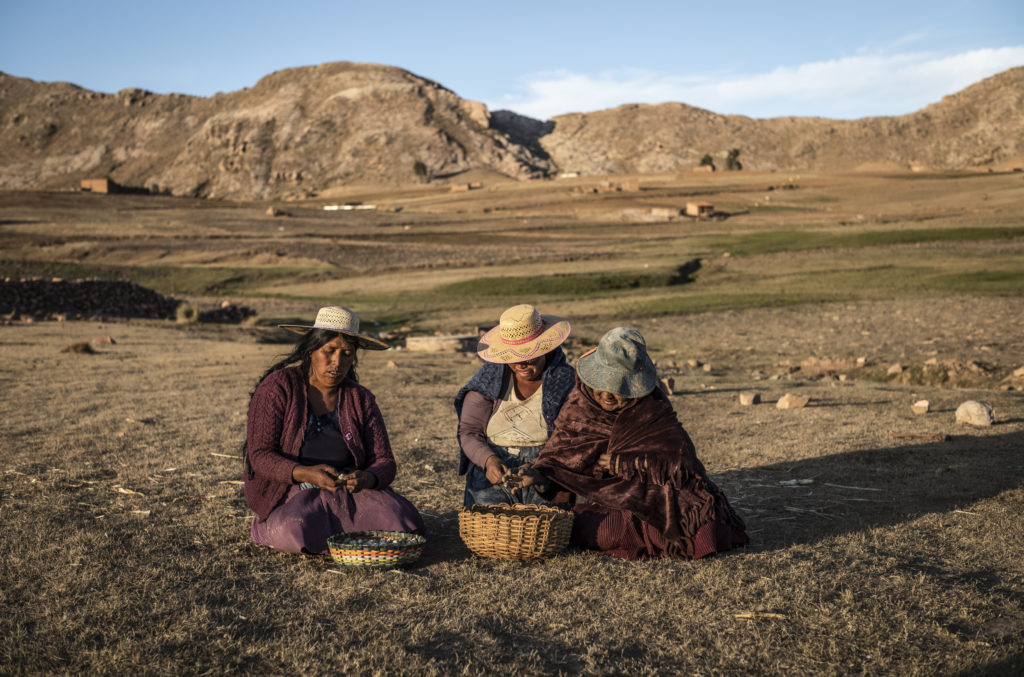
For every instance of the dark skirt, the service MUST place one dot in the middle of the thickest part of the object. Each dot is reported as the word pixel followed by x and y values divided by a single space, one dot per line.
pixel 479 489
pixel 622 534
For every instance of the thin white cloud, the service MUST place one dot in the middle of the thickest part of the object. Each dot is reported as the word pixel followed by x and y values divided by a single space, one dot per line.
pixel 852 87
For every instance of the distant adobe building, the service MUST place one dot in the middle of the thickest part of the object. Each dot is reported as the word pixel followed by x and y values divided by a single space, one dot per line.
pixel 100 186
pixel 701 210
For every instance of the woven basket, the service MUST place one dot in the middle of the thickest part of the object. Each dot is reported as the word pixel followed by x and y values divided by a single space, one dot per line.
pixel 350 549
pixel 515 532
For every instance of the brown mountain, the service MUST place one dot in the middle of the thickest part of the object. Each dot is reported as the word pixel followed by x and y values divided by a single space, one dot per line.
pixel 295 132
pixel 979 127
pixel 301 130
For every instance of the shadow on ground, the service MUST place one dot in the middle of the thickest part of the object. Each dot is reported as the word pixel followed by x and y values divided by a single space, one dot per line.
pixel 807 501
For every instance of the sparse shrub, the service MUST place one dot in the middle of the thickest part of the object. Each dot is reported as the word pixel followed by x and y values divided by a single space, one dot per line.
pixel 732 162
pixel 419 169
pixel 186 313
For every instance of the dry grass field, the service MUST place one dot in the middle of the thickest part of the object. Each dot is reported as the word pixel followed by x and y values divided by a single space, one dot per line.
pixel 882 542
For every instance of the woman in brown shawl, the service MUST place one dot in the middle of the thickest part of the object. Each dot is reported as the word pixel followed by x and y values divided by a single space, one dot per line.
pixel 618 446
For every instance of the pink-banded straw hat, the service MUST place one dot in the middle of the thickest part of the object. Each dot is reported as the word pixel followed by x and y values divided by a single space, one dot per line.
pixel 522 334
pixel 343 321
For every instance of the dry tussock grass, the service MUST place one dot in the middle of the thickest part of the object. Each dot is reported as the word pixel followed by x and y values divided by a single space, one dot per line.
pixel 126 537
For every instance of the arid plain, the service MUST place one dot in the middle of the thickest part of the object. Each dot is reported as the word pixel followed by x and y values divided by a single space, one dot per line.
pixel 882 541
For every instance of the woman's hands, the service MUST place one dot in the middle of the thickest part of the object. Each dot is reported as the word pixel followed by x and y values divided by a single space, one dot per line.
pixel 494 469
pixel 359 480
pixel 328 479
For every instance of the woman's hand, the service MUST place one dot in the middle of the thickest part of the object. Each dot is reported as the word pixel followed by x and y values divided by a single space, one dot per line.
pixel 529 477
pixel 323 476
pixel 494 469
pixel 358 480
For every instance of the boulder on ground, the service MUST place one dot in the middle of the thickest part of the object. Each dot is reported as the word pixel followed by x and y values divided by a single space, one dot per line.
pixel 453 343
pixel 895 369
pixel 749 397
pixel 920 407
pixel 791 401
pixel 975 413
pixel 667 385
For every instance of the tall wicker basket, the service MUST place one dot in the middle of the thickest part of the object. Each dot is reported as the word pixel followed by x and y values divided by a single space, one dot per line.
pixel 515 532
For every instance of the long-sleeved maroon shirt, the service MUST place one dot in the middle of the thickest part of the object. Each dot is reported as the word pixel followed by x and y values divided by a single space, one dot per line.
pixel 277 427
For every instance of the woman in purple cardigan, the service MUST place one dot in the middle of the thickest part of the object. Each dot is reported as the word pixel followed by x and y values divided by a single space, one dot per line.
pixel 317 456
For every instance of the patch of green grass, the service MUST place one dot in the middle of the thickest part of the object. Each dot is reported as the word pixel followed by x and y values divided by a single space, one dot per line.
pixel 752 244
pixel 577 285
pixel 982 282
pixel 769 208
pixel 823 286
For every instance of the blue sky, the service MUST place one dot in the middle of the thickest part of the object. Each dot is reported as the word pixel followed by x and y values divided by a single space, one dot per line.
pixel 762 59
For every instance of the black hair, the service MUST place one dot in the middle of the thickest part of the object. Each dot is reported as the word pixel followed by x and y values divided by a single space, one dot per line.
pixel 311 341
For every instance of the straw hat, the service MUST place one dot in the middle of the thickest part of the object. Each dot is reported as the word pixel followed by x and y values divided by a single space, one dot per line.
pixel 341 320
pixel 620 365
pixel 522 334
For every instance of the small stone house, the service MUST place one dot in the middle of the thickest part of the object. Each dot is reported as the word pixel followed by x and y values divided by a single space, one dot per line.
pixel 99 186
pixel 700 210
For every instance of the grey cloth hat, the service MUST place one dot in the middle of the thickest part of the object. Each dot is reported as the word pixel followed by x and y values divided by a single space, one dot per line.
pixel 620 365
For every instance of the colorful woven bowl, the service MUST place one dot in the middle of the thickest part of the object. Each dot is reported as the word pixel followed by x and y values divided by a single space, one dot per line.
pixel 380 549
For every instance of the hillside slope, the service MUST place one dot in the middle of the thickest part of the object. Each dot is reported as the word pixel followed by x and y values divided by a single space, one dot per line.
pixel 295 132
pixel 301 130
pixel 978 127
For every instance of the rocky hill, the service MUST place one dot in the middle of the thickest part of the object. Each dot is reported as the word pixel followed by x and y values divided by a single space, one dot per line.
pixel 295 132
pixel 979 127
pixel 301 130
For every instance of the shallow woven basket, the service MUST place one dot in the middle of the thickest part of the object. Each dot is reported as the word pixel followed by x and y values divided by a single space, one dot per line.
pixel 345 552
pixel 515 532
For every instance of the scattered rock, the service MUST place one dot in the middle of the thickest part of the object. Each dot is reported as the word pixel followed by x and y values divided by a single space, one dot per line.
pixel 895 369
pixel 862 361
pixel 80 347
pixel 667 385
pixel 975 413
pixel 706 367
pixel 104 341
pixel 692 363
pixel 453 343
pixel 920 407
pixel 749 397
pixel 791 401
pixel 1019 371
pixel 391 365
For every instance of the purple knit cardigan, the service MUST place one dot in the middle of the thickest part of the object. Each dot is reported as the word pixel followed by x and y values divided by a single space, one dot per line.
pixel 277 427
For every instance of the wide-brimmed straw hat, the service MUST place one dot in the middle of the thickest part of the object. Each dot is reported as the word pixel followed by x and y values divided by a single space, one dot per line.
pixel 522 334
pixel 619 365
pixel 341 320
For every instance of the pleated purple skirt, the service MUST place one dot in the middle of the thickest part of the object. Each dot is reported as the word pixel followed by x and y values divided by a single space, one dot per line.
pixel 308 517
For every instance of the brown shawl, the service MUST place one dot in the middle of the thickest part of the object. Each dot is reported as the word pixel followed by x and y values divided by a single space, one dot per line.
pixel 655 473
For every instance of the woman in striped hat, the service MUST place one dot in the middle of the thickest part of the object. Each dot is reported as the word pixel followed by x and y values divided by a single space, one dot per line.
pixel 508 409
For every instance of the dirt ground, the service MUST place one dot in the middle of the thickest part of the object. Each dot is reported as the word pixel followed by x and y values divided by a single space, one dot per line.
pixel 882 541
